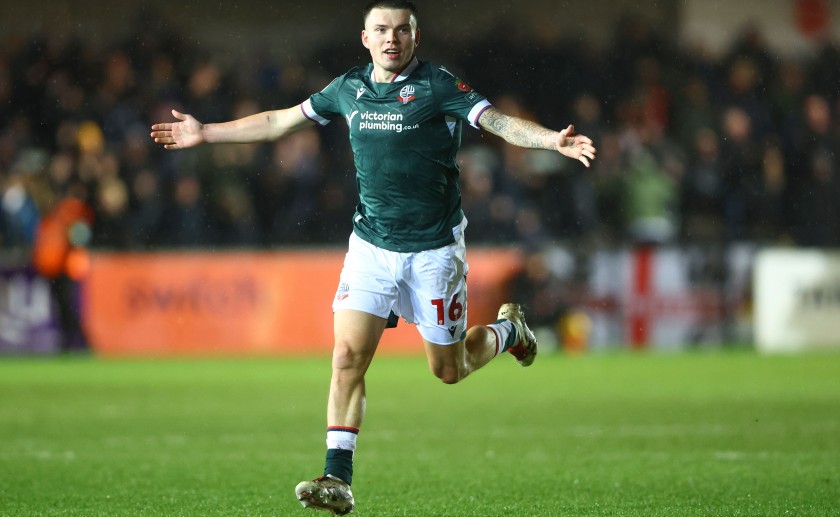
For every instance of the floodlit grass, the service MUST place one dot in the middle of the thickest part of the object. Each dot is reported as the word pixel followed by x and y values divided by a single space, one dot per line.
pixel 618 435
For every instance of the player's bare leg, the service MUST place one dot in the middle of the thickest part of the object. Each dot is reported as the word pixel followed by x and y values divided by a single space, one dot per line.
pixel 357 335
pixel 453 363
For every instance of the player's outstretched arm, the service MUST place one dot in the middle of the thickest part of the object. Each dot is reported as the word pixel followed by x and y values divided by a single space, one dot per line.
pixel 269 125
pixel 525 133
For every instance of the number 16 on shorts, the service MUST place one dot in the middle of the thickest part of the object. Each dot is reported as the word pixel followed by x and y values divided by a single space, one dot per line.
pixel 455 309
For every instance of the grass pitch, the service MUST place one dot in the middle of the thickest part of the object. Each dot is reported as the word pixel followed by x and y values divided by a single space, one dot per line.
pixel 620 435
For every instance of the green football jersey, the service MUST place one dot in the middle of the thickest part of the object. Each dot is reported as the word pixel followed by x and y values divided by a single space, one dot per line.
pixel 405 135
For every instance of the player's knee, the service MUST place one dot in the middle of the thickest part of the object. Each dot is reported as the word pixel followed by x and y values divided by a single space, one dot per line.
pixel 451 379
pixel 348 358
pixel 448 374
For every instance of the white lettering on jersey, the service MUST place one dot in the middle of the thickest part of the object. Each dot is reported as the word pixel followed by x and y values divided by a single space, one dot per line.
pixel 371 120
pixel 372 115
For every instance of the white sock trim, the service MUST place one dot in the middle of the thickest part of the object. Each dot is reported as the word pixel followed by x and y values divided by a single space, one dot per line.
pixel 502 331
pixel 341 440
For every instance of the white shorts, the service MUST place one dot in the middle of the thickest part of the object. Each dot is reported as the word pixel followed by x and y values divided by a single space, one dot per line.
pixel 426 288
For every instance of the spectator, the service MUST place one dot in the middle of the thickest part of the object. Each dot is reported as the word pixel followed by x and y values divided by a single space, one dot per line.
pixel 187 223
pixel 59 255
pixel 608 182
pixel 19 214
pixel 702 191
pixel 146 210
pixel 693 112
pixel 771 199
pixel 741 166
pixel 110 228
pixel 814 203
pixel 650 197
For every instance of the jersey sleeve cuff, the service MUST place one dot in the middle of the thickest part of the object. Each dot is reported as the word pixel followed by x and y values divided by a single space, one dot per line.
pixel 476 111
pixel 309 112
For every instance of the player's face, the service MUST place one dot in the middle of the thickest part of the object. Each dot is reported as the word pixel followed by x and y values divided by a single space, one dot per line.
pixel 391 35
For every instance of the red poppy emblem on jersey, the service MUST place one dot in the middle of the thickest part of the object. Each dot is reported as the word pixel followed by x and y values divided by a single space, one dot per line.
pixel 464 87
pixel 407 94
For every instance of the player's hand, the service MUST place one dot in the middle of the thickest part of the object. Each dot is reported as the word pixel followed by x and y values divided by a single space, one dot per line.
pixel 575 146
pixel 178 135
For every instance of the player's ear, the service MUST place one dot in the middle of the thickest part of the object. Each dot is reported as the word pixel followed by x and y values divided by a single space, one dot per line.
pixel 417 37
pixel 365 38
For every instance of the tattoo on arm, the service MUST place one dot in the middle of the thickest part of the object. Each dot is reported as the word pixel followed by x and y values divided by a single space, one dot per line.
pixel 497 123
pixel 517 131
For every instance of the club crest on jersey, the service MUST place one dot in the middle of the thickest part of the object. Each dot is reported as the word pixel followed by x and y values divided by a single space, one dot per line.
pixel 407 94
pixel 343 291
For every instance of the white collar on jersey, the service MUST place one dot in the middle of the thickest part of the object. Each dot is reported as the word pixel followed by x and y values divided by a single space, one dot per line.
pixel 402 76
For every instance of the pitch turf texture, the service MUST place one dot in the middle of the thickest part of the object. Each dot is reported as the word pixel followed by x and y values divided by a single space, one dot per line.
pixel 617 435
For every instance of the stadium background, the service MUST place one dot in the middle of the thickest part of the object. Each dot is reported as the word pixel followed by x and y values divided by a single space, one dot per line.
pixel 717 130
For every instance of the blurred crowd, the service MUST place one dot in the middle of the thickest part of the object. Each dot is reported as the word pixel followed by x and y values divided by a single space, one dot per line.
pixel 692 148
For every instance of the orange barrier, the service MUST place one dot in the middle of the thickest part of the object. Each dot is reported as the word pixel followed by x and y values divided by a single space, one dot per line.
pixel 245 303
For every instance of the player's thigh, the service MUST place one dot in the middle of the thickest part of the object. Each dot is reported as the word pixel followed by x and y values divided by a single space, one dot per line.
pixel 357 335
